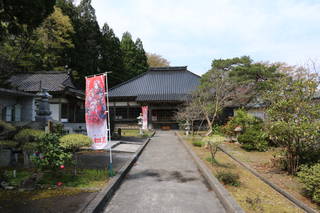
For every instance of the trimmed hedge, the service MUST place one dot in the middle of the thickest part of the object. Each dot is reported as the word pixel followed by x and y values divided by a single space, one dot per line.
pixel 75 141
pixel 6 127
pixel 254 139
pixel 8 144
pixel 29 135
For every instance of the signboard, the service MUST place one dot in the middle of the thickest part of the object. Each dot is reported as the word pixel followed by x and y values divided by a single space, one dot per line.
pixel 96 114
pixel 145 117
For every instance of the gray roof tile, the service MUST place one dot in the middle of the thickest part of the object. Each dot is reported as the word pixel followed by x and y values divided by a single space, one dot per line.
pixel 54 81
pixel 159 84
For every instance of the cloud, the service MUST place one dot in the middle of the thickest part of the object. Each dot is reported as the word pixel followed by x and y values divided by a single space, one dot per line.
pixel 193 33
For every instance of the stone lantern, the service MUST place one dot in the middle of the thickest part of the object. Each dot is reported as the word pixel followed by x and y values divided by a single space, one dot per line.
pixel 187 127
pixel 43 110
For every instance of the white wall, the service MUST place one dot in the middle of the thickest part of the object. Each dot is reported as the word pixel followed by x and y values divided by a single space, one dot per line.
pixel 55 111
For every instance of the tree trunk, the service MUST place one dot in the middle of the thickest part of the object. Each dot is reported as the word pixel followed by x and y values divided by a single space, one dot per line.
pixel 209 126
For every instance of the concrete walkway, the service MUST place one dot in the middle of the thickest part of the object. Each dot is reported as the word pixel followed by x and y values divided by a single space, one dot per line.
pixel 164 179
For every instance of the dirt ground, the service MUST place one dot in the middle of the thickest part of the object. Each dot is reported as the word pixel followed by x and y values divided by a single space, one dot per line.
pixel 261 162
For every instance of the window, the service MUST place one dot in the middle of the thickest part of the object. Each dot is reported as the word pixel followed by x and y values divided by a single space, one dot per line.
pixel 134 112
pixel 7 113
pixel 121 113
pixel 163 115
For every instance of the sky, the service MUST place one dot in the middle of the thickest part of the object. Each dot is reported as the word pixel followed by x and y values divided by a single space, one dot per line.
pixel 194 32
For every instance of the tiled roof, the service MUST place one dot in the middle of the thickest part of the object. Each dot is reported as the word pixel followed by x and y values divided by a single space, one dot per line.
pixel 54 81
pixel 12 92
pixel 159 84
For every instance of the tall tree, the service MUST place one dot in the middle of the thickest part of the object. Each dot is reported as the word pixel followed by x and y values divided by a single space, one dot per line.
pixel 54 36
pixel 21 16
pixel 293 117
pixel 155 60
pixel 129 52
pixel 141 58
pixel 111 56
pixel 44 47
pixel 84 58
pixel 134 58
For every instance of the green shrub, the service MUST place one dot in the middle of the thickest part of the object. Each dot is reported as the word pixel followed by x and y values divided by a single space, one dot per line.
pixel 242 119
pixel 29 135
pixel 49 154
pixel 7 130
pixel 6 127
pixel 8 144
pixel 228 178
pixel 310 176
pixel 57 128
pixel 197 143
pixel 32 146
pixel 75 141
pixel 254 139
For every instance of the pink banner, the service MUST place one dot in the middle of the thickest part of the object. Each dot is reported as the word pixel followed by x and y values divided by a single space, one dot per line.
pixel 96 113
pixel 145 117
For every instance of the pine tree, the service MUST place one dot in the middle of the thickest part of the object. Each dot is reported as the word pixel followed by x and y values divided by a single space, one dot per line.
pixel 111 56
pixel 134 57
pixel 129 54
pixel 141 58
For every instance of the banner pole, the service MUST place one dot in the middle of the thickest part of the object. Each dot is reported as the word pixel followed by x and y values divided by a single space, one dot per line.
pixel 109 129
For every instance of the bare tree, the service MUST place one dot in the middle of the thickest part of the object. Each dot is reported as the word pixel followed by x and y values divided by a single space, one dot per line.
pixel 155 60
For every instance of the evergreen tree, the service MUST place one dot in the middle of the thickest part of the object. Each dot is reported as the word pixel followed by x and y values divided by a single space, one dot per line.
pixel 83 59
pixel 141 58
pixel 134 56
pixel 128 48
pixel 20 16
pixel 41 50
pixel 111 56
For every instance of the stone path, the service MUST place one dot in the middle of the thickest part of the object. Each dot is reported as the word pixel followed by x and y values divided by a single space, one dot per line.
pixel 164 179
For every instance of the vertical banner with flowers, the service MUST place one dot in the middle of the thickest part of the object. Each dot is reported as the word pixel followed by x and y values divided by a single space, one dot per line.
pixel 96 113
pixel 144 117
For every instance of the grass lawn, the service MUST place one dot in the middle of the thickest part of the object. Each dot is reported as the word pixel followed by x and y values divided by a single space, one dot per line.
pixel 253 195
pixel 136 133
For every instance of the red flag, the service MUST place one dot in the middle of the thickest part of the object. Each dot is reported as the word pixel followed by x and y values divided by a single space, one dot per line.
pixel 95 105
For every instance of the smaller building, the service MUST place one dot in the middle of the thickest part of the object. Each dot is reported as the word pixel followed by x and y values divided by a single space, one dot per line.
pixel 162 89
pixel 67 102
pixel 17 106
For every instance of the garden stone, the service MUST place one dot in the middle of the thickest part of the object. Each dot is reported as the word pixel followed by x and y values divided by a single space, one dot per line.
pixel 6 186
pixel 30 183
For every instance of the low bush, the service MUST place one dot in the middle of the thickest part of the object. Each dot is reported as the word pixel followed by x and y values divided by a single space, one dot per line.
pixel 7 130
pixel 243 120
pixel 49 154
pixel 197 143
pixel 8 144
pixel 310 176
pixel 228 178
pixel 75 141
pixel 57 128
pixel 29 135
pixel 6 127
pixel 254 139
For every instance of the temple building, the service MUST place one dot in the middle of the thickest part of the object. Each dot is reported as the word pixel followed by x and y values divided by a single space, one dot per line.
pixel 162 89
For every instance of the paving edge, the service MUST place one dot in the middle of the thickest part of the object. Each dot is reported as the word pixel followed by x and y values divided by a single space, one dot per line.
pixel 101 200
pixel 226 199
pixel 295 201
